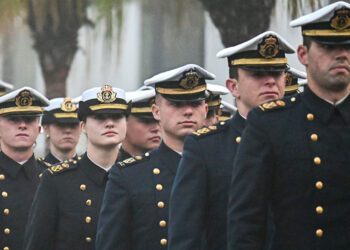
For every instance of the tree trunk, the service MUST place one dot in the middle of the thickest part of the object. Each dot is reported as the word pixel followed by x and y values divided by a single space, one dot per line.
pixel 54 25
pixel 237 20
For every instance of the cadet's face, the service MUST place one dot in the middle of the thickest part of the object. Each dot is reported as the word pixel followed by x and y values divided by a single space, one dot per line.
pixel 255 88
pixel 64 137
pixel 328 66
pixel 18 132
pixel 180 118
pixel 143 134
pixel 105 130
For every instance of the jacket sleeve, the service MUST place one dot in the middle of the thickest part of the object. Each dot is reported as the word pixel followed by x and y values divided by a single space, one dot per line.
pixel 187 200
pixel 250 188
pixel 114 224
pixel 40 229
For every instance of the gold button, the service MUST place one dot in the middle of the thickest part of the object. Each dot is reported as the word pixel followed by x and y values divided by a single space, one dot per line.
pixel 319 185
pixel 88 219
pixel 319 210
pixel 293 99
pixel 238 139
pixel 163 242
pixel 40 175
pixel 156 171
pixel 88 239
pixel 222 123
pixel 4 194
pixel 75 162
pixel 7 231
pixel 310 117
pixel 317 160
pixel 138 157
pixel 88 202
pixel 162 223
pixel 159 187
pixel 319 232
pixel 160 204
pixel 2 177
pixel 6 248
pixel 6 211
pixel 82 187
pixel 314 137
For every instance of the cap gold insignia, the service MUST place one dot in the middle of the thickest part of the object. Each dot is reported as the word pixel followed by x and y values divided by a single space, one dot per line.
pixel 341 19
pixel 289 79
pixel 23 99
pixel 190 80
pixel 67 105
pixel 268 48
pixel 106 95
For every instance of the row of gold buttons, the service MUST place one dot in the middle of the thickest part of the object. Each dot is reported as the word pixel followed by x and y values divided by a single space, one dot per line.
pixel 87 219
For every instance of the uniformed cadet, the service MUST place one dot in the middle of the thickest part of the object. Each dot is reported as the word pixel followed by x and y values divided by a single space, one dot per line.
pixel 294 80
pixel 134 214
pixel 294 154
pixel 213 100
pixel 227 110
pixel 198 202
pixel 20 112
pixel 143 133
pixel 66 206
pixel 61 126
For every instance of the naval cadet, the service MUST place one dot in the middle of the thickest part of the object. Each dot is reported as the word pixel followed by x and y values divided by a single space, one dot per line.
pixel 20 112
pixel 61 126
pixel 294 154
pixel 65 209
pixel 134 214
pixel 143 133
pixel 294 81
pixel 213 100
pixel 198 202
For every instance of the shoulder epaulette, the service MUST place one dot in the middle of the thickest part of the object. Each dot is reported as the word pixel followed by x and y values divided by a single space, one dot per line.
pixel 133 160
pixel 63 166
pixel 210 129
pixel 43 162
pixel 279 104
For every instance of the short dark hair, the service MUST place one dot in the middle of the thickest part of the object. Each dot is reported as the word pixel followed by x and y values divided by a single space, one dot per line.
pixel 307 41
pixel 233 72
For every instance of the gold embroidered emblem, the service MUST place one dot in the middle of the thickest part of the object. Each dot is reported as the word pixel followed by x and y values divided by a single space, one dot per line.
pixel 268 48
pixel 67 105
pixel 341 19
pixel 190 80
pixel 272 105
pixel 23 99
pixel 106 95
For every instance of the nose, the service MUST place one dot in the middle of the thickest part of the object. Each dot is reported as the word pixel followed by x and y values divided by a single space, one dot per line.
pixel 269 80
pixel 22 124
pixel 342 53
pixel 188 110
pixel 109 123
pixel 155 127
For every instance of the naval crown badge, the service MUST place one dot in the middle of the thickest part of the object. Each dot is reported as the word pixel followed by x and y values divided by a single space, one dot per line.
pixel 268 48
pixel 23 99
pixel 68 105
pixel 190 80
pixel 106 95
pixel 341 19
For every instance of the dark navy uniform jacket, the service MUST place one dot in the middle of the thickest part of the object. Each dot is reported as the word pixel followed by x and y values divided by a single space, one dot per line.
pixel 66 207
pixel 18 184
pixel 51 159
pixel 123 155
pixel 134 213
pixel 198 202
pixel 294 156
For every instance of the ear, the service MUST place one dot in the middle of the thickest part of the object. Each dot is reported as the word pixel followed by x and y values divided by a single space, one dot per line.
pixel 83 127
pixel 303 55
pixel 156 112
pixel 232 86
pixel 206 109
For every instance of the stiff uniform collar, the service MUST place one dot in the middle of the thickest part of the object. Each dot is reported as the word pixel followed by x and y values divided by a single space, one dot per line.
pixel 122 155
pixel 13 168
pixel 238 122
pixel 94 172
pixel 169 157
pixel 323 109
pixel 50 158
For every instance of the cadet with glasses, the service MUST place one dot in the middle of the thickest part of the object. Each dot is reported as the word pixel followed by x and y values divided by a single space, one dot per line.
pixel 134 213
pixel 20 112
pixel 66 206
